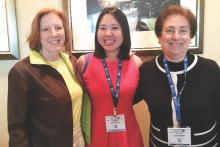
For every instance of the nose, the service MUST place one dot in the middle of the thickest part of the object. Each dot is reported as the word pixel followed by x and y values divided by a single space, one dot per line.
pixel 108 32
pixel 53 32
pixel 176 35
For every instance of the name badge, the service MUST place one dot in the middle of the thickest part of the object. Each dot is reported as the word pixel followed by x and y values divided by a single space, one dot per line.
pixel 179 136
pixel 115 123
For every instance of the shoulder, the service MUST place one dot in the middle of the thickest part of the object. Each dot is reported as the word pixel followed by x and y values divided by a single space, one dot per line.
pixel 80 63
pixel 148 65
pixel 22 64
pixel 21 67
pixel 208 63
pixel 137 60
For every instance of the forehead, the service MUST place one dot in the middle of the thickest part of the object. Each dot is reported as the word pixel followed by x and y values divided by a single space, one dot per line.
pixel 50 18
pixel 176 20
pixel 108 19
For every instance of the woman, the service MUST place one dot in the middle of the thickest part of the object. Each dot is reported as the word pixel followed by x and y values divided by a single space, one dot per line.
pixel 43 92
pixel 181 89
pixel 113 122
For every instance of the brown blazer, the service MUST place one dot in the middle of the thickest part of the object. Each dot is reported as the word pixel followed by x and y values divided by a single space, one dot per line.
pixel 39 107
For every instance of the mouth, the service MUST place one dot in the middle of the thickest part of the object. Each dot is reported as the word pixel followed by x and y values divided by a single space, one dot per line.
pixel 109 41
pixel 57 41
pixel 176 44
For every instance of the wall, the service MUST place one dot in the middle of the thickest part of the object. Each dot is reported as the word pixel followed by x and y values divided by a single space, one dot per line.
pixel 25 12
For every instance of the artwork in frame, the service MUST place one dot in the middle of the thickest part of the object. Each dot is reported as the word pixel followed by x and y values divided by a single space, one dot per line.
pixel 8 36
pixel 141 17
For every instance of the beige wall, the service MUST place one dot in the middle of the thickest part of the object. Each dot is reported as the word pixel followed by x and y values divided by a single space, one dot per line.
pixel 25 12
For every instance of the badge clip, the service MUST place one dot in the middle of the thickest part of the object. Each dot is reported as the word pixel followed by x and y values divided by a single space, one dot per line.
pixel 114 111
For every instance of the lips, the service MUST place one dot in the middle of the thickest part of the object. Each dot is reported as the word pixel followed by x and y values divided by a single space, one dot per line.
pixel 175 44
pixel 109 41
pixel 54 41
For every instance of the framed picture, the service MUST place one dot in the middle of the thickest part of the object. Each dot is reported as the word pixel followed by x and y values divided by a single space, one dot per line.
pixel 8 35
pixel 141 16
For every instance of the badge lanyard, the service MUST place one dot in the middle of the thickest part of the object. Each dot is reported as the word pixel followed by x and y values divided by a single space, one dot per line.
pixel 115 94
pixel 175 96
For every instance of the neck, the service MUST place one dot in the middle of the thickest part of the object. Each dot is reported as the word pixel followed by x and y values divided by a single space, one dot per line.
pixel 175 59
pixel 111 56
pixel 50 56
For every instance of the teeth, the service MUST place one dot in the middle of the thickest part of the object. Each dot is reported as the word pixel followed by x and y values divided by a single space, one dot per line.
pixel 54 42
pixel 176 44
pixel 108 41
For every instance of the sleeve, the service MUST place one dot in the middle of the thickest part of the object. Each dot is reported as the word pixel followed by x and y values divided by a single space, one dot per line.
pixel 217 101
pixel 86 117
pixel 139 95
pixel 17 110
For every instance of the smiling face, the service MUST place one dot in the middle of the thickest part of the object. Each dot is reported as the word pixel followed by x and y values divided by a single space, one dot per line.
pixel 175 37
pixel 52 33
pixel 109 34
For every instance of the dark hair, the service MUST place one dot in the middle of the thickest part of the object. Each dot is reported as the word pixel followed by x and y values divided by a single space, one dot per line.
pixel 34 36
pixel 172 10
pixel 122 20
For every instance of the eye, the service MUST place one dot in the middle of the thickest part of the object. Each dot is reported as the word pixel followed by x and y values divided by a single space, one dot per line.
pixel 115 28
pixel 184 31
pixel 44 29
pixel 102 28
pixel 169 30
pixel 58 27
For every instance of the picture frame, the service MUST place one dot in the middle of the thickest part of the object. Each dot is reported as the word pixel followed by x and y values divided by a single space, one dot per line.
pixel 9 37
pixel 144 43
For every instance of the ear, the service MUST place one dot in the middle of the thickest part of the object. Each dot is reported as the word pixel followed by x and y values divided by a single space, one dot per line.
pixel 158 38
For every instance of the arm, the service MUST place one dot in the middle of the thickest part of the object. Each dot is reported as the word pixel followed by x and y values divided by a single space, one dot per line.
pixel 80 64
pixel 83 62
pixel 138 97
pixel 217 101
pixel 17 110
pixel 137 60
pixel 86 106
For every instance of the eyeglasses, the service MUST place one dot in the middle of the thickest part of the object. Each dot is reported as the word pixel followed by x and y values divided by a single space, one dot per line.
pixel 181 31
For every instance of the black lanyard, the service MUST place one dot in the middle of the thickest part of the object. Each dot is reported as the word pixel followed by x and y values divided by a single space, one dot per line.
pixel 176 96
pixel 115 94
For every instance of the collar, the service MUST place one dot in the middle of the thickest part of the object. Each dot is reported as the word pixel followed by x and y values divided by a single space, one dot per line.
pixel 177 67
pixel 37 58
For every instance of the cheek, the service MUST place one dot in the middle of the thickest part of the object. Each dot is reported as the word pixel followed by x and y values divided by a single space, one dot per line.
pixel 64 38
pixel 121 38
pixel 63 34
pixel 99 37
pixel 43 37
pixel 162 40
pixel 189 40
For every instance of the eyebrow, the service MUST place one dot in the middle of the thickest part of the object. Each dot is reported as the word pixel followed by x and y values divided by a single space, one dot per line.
pixel 109 25
pixel 178 27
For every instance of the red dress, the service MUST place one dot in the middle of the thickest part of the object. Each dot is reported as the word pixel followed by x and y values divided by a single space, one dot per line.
pixel 102 103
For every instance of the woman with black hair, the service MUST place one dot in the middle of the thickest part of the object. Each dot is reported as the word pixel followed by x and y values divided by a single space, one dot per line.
pixel 111 78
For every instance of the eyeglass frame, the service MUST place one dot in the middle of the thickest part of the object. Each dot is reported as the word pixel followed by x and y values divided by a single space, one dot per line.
pixel 182 31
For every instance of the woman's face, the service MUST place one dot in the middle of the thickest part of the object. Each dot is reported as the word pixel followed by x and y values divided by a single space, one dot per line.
pixel 52 33
pixel 109 33
pixel 175 37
